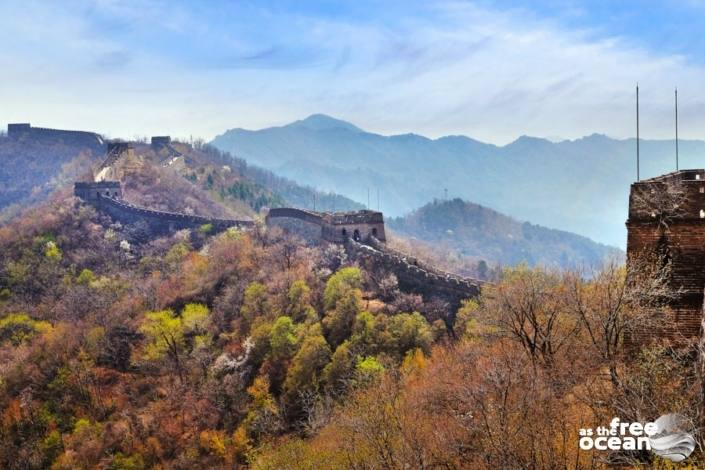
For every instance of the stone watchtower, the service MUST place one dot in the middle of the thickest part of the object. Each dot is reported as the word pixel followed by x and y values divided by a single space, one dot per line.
pixel 666 225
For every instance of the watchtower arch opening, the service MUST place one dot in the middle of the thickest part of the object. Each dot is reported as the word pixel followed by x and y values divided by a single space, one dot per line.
pixel 356 235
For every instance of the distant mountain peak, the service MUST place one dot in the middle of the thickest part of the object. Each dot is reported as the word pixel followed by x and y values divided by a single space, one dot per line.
pixel 322 122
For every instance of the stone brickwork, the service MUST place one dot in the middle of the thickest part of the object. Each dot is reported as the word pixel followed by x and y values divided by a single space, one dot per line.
pixel 667 223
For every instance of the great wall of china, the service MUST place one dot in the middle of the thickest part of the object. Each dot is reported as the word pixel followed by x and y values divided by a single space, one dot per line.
pixel 666 220
pixel 361 232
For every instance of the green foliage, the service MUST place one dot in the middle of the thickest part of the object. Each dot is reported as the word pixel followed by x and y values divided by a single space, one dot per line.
pixel 18 327
pixel 282 338
pixel 340 371
pixel 367 369
pixel 408 331
pixel 86 277
pixel 166 334
pixel 339 322
pixel 306 367
pixel 127 462
pixel 52 251
pixel 205 229
pixel 176 253
pixel 339 284
pixel 255 302
pixel 52 445
pixel 299 307
pixel 194 318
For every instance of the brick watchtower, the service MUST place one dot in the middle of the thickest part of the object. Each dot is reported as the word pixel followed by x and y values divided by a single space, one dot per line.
pixel 667 223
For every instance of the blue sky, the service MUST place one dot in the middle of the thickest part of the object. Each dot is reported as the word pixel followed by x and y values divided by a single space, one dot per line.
pixel 493 70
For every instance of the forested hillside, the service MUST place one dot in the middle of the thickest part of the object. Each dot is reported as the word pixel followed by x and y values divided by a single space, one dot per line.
pixel 257 349
pixel 32 169
pixel 479 233
pixel 186 351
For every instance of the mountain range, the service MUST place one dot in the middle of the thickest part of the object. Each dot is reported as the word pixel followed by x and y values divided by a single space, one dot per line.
pixel 579 185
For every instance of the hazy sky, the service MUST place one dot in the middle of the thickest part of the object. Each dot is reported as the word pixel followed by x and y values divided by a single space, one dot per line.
pixel 492 70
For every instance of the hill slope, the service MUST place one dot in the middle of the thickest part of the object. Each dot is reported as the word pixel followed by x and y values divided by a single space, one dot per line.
pixel 581 186
pixel 31 169
pixel 478 232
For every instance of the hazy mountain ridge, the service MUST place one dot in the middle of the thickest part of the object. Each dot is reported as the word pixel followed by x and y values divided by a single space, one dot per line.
pixel 481 233
pixel 577 185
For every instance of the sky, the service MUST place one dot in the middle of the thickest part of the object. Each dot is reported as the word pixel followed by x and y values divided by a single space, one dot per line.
pixel 492 70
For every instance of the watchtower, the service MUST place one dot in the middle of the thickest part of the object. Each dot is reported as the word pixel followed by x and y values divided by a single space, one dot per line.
pixel 93 192
pixel 359 225
pixel 160 141
pixel 666 225
pixel 18 129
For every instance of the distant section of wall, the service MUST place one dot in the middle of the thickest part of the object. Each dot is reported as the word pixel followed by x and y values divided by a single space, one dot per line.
pixel 414 276
pixel 339 226
pixel 107 197
pixel 83 138
pixel 161 221
pixel 94 191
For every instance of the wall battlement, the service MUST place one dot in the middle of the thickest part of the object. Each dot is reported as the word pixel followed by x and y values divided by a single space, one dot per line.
pixel 88 139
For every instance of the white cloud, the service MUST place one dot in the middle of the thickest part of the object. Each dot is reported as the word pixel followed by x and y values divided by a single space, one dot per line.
pixel 452 68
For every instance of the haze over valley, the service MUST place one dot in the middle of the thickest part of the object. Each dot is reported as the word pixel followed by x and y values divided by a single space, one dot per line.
pixel 581 185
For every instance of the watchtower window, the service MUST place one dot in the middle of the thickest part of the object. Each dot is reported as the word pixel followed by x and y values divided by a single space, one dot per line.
pixel 702 190
pixel 345 233
pixel 107 193
pixel 97 193
pixel 356 235
pixel 702 214
pixel 374 232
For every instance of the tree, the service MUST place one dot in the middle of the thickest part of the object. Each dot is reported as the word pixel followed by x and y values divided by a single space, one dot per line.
pixel 339 284
pixel 529 305
pixel 282 338
pixel 338 322
pixel 305 371
pixel 255 303
pixel 299 303
pixel 16 328
pixel 406 332
pixel 166 334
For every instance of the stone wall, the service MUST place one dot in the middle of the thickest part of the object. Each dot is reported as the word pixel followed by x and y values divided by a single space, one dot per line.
pixel 83 138
pixel 337 227
pixel 667 223
pixel 414 276
pixel 94 191
pixel 107 197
